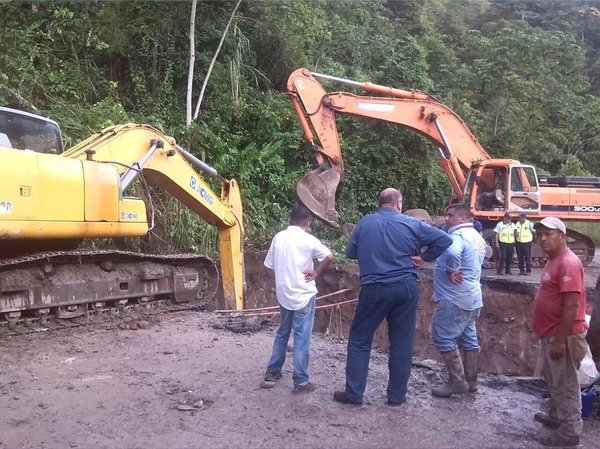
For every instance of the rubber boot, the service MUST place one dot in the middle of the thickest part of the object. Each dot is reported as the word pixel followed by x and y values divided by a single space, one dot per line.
pixel 456 376
pixel 469 359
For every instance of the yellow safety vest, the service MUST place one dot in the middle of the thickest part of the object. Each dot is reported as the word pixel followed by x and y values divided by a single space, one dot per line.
pixel 507 233
pixel 524 234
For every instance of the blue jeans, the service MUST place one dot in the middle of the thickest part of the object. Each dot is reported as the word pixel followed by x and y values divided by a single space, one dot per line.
pixel 302 320
pixel 454 328
pixel 397 304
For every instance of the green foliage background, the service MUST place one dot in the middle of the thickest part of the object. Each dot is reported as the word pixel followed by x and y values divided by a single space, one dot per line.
pixel 524 75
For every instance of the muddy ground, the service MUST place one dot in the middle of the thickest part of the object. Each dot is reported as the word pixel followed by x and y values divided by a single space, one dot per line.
pixel 184 380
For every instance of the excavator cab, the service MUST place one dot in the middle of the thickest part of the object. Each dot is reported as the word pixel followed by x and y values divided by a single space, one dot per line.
pixel 494 189
pixel 488 186
pixel 524 193
pixel 316 190
pixel 25 131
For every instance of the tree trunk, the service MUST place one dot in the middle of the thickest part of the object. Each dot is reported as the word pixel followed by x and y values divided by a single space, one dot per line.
pixel 214 59
pixel 188 102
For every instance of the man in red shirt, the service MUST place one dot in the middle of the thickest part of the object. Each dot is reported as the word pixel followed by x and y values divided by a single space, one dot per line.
pixel 559 321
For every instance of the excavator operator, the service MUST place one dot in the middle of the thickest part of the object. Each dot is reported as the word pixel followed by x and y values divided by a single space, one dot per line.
pixel 493 198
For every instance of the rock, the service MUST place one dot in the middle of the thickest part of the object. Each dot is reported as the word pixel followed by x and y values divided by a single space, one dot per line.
pixel 186 407
pixel 241 324
pixel 143 324
pixel 267 384
pixel 254 322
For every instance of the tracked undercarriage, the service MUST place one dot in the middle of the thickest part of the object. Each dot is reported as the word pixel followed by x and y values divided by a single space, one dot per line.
pixel 52 289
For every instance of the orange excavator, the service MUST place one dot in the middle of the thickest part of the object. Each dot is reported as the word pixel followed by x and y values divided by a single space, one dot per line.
pixel 491 187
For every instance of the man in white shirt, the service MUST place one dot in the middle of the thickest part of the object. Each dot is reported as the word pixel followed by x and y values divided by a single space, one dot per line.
pixel 588 372
pixel 290 258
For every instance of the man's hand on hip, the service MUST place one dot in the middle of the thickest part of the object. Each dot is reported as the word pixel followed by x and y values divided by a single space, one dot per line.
pixel 417 261
pixel 457 277
pixel 309 275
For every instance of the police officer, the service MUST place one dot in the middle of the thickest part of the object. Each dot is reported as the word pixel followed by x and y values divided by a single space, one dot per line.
pixel 505 242
pixel 524 234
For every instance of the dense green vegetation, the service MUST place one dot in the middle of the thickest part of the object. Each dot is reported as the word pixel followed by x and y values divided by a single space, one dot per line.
pixel 524 75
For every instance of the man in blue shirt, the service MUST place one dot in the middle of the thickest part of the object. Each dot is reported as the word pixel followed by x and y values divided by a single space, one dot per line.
pixel 388 246
pixel 457 293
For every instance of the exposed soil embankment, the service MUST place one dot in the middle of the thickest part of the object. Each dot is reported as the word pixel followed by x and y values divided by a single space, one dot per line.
pixel 508 345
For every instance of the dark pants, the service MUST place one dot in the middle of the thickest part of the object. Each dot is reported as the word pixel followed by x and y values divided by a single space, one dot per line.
pixel 524 256
pixel 506 255
pixel 397 304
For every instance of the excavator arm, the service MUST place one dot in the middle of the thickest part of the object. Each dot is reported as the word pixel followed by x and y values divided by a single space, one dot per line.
pixel 143 150
pixel 491 187
pixel 414 110
pixel 50 202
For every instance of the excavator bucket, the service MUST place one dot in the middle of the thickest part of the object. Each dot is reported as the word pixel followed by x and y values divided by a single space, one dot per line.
pixel 316 190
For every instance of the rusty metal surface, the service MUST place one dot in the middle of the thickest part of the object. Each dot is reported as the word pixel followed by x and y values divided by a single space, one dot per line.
pixel 53 322
pixel 40 288
pixel 581 245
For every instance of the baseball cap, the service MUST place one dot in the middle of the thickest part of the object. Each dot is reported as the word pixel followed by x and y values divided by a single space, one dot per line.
pixel 551 223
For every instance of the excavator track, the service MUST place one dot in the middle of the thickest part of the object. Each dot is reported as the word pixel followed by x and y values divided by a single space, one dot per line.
pixel 62 289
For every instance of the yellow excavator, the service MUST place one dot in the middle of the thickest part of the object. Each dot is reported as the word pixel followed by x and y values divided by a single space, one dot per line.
pixel 51 200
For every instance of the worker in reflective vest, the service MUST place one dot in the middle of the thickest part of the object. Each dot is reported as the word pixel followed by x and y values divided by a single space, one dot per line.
pixel 505 242
pixel 524 235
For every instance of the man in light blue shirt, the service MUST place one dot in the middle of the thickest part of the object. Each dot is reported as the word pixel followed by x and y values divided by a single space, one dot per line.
pixel 457 293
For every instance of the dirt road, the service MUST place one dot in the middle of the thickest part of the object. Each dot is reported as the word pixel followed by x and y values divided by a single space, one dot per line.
pixel 182 381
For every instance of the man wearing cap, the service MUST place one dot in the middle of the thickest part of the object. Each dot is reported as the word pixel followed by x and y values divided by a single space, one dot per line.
pixel 524 234
pixel 505 242
pixel 559 321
